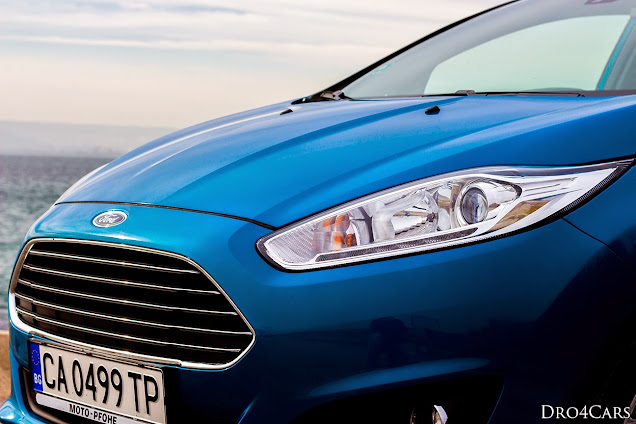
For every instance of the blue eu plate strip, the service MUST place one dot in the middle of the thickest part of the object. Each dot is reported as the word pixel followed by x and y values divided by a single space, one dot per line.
pixel 36 366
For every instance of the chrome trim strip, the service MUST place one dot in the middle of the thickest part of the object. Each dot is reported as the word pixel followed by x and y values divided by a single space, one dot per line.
pixel 121 336
pixel 119 301
pixel 113 262
pixel 114 353
pixel 128 320
pixel 113 280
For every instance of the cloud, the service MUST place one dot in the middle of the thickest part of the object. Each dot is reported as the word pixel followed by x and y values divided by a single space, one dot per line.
pixel 176 62
pixel 166 23
pixel 254 46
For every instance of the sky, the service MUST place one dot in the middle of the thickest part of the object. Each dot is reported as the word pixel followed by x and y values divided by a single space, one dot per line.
pixel 173 63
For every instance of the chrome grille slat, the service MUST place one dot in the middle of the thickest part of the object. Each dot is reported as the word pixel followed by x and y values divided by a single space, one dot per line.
pixel 120 301
pixel 112 280
pixel 112 262
pixel 123 319
pixel 120 336
pixel 136 302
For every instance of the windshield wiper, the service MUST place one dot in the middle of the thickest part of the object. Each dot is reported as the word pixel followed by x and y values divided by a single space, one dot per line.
pixel 324 96
pixel 532 93
pixel 333 95
pixel 574 93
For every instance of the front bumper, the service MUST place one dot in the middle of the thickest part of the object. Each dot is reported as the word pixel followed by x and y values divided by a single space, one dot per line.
pixel 512 308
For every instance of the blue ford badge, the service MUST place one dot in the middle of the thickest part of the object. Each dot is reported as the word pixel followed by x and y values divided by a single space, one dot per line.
pixel 109 219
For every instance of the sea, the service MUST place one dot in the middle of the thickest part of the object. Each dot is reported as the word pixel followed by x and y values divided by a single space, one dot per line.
pixel 29 185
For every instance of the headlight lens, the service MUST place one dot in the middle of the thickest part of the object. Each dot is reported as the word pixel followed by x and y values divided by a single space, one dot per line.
pixel 434 213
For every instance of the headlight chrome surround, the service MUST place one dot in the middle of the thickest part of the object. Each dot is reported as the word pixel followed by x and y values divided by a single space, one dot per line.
pixel 439 212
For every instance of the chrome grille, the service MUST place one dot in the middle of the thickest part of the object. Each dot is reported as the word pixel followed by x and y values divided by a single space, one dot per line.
pixel 121 298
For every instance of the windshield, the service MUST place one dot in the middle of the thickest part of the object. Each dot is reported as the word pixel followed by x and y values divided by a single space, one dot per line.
pixel 528 46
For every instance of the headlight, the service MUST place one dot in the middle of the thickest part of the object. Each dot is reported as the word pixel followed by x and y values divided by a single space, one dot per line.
pixel 434 213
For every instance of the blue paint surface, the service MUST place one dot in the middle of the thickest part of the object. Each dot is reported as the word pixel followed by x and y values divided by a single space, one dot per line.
pixel 280 168
pixel 328 333
pixel 535 309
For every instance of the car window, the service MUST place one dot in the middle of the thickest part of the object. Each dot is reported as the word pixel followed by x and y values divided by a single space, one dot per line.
pixel 562 55
pixel 537 45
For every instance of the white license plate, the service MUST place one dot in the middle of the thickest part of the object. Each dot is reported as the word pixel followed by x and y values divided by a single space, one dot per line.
pixel 97 389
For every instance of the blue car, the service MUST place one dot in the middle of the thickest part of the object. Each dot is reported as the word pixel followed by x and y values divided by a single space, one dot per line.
pixel 447 236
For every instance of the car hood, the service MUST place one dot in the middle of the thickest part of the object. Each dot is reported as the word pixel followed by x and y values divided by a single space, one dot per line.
pixel 276 167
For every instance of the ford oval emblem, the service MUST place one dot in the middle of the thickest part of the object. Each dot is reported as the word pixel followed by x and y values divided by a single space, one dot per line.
pixel 109 219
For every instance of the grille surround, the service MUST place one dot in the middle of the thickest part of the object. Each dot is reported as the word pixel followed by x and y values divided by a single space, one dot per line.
pixel 113 352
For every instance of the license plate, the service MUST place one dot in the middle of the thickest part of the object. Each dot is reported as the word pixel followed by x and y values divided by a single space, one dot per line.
pixel 95 388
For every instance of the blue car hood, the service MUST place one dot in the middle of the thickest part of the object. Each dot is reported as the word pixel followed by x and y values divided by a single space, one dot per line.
pixel 276 168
